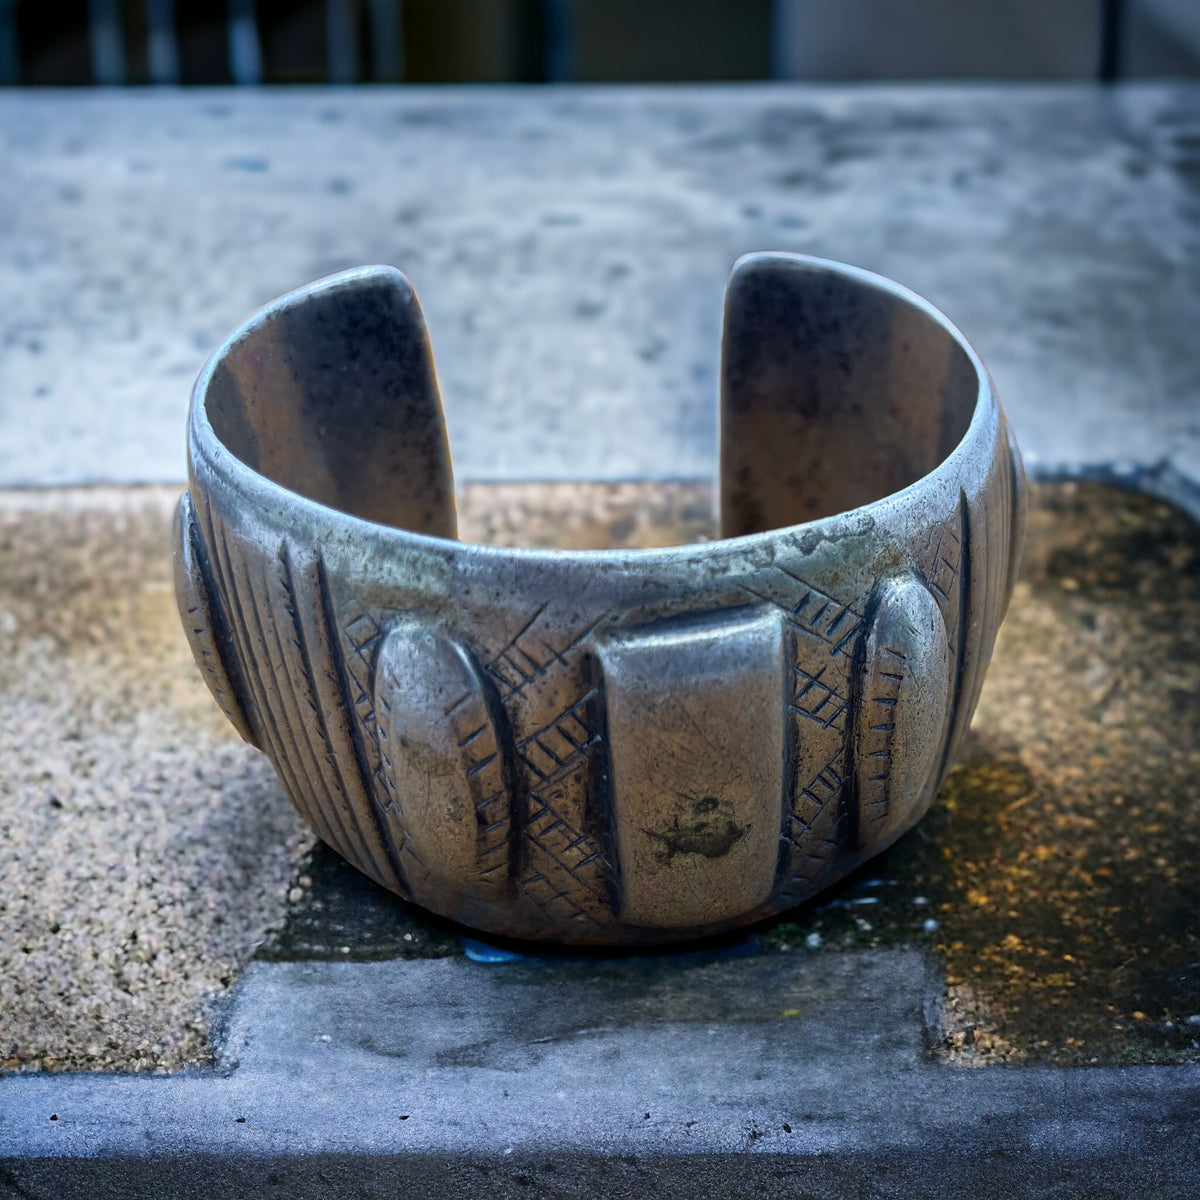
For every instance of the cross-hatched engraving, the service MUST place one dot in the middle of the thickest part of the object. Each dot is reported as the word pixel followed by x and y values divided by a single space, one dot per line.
pixel 555 904
pixel 363 636
pixel 825 633
pixel 562 759
pixel 570 848
pixel 819 616
pixel 941 565
pixel 812 799
pixel 815 615
pixel 812 831
pixel 528 657
pixel 559 747
pixel 817 699
pixel 561 762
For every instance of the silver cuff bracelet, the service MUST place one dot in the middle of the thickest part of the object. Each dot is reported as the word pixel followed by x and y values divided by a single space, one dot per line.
pixel 617 746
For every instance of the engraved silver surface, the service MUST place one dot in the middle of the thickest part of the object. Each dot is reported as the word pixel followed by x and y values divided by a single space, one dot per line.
pixel 624 746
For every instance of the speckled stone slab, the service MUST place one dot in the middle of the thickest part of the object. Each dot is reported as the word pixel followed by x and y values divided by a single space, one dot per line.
pixel 144 852
pixel 1044 915
pixel 147 855
pixel 570 248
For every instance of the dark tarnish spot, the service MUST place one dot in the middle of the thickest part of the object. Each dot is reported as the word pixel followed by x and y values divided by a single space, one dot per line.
pixel 704 829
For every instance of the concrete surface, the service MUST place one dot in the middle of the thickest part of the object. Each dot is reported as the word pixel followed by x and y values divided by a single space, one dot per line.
pixel 145 851
pixel 829 1056
pixel 148 854
pixel 570 248
pixel 449 1078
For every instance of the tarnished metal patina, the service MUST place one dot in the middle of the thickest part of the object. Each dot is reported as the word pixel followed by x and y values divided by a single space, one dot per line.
pixel 605 747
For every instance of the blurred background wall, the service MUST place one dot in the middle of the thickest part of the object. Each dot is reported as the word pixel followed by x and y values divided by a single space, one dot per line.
pixel 77 42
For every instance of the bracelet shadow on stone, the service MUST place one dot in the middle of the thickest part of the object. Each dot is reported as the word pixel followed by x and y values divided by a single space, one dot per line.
pixel 150 854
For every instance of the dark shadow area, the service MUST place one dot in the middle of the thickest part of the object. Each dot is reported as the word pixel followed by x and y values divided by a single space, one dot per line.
pixel 73 42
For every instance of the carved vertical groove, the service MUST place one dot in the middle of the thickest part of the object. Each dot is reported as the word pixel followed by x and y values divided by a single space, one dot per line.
pixel 790 767
pixel 599 802
pixel 289 700
pixel 205 622
pixel 336 683
pixel 321 716
pixel 501 839
pixel 902 696
pixel 270 740
pixel 959 637
pixel 867 757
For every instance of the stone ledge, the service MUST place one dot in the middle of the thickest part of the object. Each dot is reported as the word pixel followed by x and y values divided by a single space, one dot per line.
pixel 755 1076
pixel 824 1053
pixel 570 251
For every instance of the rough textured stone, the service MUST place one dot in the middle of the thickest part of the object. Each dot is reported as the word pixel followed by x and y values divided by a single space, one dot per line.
pixel 570 249
pixel 797 1063
pixel 749 1077
pixel 148 853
